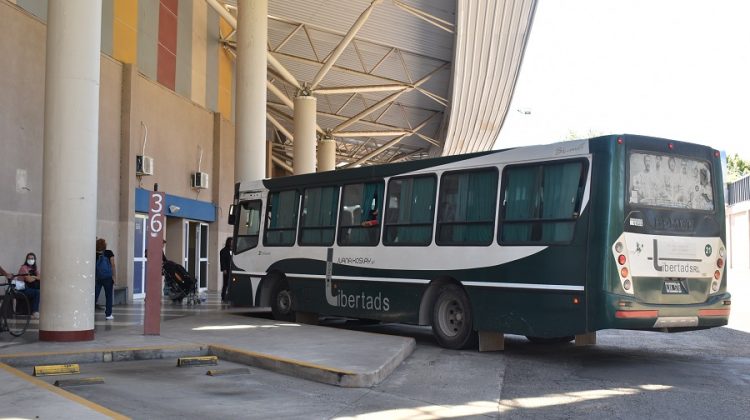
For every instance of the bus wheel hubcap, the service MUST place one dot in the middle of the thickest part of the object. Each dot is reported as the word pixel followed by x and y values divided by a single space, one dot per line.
pixel 284 300
pixel 451 317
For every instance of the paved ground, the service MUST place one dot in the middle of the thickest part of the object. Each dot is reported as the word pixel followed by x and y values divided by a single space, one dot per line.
pixel 626 375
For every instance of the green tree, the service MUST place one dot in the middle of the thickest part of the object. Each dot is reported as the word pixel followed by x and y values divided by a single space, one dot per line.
pixel 736 167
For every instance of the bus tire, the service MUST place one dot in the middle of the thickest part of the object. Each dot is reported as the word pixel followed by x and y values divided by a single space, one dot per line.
pixel 281 301
pixel 452 321
pixel 550 340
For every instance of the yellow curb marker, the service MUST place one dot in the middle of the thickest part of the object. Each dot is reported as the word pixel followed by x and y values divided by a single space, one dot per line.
pixel 197 361
pixel 52 370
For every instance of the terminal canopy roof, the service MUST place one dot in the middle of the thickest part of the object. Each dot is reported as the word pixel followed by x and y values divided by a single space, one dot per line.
pixel 418 78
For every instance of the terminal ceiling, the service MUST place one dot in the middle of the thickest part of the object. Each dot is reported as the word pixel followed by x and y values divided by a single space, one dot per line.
pixel 394 80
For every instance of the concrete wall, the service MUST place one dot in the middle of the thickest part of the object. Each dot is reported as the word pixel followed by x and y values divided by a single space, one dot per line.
pixel 738 236
pixel 178 130
pixel 22 44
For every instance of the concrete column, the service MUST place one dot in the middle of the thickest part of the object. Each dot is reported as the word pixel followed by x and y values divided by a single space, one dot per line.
pixel 305 108
pixel 252 37
pixel 71 127
pixel 326 154
pixel 130 137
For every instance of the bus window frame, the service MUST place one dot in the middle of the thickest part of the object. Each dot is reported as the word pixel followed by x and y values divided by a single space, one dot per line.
pixel 432 217
pixel 635 207
pixel 267 220
pixel 494 220
pixel 380 209
pixel 302 207
pixel 236 229
pixel 582 181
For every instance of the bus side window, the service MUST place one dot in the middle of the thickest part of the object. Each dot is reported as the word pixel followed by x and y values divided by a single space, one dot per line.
pixel 281 218
pixel 360 217
pixel 541 202
pixel 410 221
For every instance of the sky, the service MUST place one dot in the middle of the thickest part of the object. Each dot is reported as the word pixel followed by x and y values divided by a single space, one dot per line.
pixel 662 68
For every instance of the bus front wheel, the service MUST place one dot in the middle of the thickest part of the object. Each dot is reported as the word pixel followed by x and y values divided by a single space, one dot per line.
pixel 281 301
pixel 452 321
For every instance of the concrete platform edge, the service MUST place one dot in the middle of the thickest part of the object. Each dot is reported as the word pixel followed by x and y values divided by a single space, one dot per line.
pixel 313 372
pixel 103 355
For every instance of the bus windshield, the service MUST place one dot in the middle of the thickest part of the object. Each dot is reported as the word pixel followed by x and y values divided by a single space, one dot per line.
pixel 670 181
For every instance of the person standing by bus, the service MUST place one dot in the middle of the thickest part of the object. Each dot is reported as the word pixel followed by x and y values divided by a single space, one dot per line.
pixel 226 265
pixel 105 275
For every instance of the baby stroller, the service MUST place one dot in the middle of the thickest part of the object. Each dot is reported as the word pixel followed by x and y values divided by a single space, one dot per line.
pixel 179 284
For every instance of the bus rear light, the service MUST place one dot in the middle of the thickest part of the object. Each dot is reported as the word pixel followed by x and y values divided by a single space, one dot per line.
pixel 636 314
pixel 721 252
pixel 576 301
pixel 716 153
pixel 714 286
pixel 619 247
pixel 717 274
pixel 624 272
pixel 624 304
pixel 713 312
pixel 627 284
pixel 720 263
pixel 670 146
pixel 621 259
pixel 619 140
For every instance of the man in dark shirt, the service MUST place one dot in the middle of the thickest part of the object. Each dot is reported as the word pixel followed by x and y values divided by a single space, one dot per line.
pixel 226 265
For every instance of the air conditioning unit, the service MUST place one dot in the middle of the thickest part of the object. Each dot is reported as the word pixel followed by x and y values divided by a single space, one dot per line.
pixel 199 180
pixel 144 165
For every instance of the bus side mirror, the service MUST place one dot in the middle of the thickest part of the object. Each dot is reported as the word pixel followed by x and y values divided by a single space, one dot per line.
pixel 230 217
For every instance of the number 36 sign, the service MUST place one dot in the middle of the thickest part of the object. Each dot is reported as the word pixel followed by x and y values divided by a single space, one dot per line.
pixel 156 214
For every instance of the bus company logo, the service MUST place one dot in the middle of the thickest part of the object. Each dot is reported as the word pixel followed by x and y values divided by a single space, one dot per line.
pixel 563 150
pixel 355 260
pixel 708 250
pixel 362 301
pixel 679 268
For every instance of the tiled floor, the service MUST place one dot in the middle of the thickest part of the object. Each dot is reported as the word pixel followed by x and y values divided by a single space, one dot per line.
pixel 128 316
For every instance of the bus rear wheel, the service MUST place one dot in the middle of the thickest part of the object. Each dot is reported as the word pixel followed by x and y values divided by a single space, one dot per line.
pixel 452 322
pixel 281 301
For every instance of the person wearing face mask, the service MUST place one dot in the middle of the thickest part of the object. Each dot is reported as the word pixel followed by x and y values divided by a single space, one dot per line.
pixel 31 276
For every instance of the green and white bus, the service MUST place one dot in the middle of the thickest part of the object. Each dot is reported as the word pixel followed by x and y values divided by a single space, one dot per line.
pixel 550 241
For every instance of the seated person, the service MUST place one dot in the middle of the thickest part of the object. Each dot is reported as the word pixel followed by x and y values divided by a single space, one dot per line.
pixel 31 275
pixel 372 219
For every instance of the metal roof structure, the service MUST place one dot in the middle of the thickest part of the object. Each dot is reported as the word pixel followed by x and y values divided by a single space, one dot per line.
pixel 395 80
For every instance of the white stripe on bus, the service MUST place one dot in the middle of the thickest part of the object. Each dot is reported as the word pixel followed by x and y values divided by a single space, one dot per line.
pixel 525 286
pixel 466 283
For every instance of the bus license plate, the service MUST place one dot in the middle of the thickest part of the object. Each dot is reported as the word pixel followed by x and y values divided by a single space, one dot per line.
pixel 674 287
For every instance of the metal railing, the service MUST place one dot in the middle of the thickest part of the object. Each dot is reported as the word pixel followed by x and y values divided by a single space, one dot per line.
pixel 739 191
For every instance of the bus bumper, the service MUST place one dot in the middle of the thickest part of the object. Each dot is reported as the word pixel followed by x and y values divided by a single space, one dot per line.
pixel 624 312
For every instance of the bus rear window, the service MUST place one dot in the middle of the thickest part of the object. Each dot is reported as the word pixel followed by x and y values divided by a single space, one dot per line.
pixel 670 181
